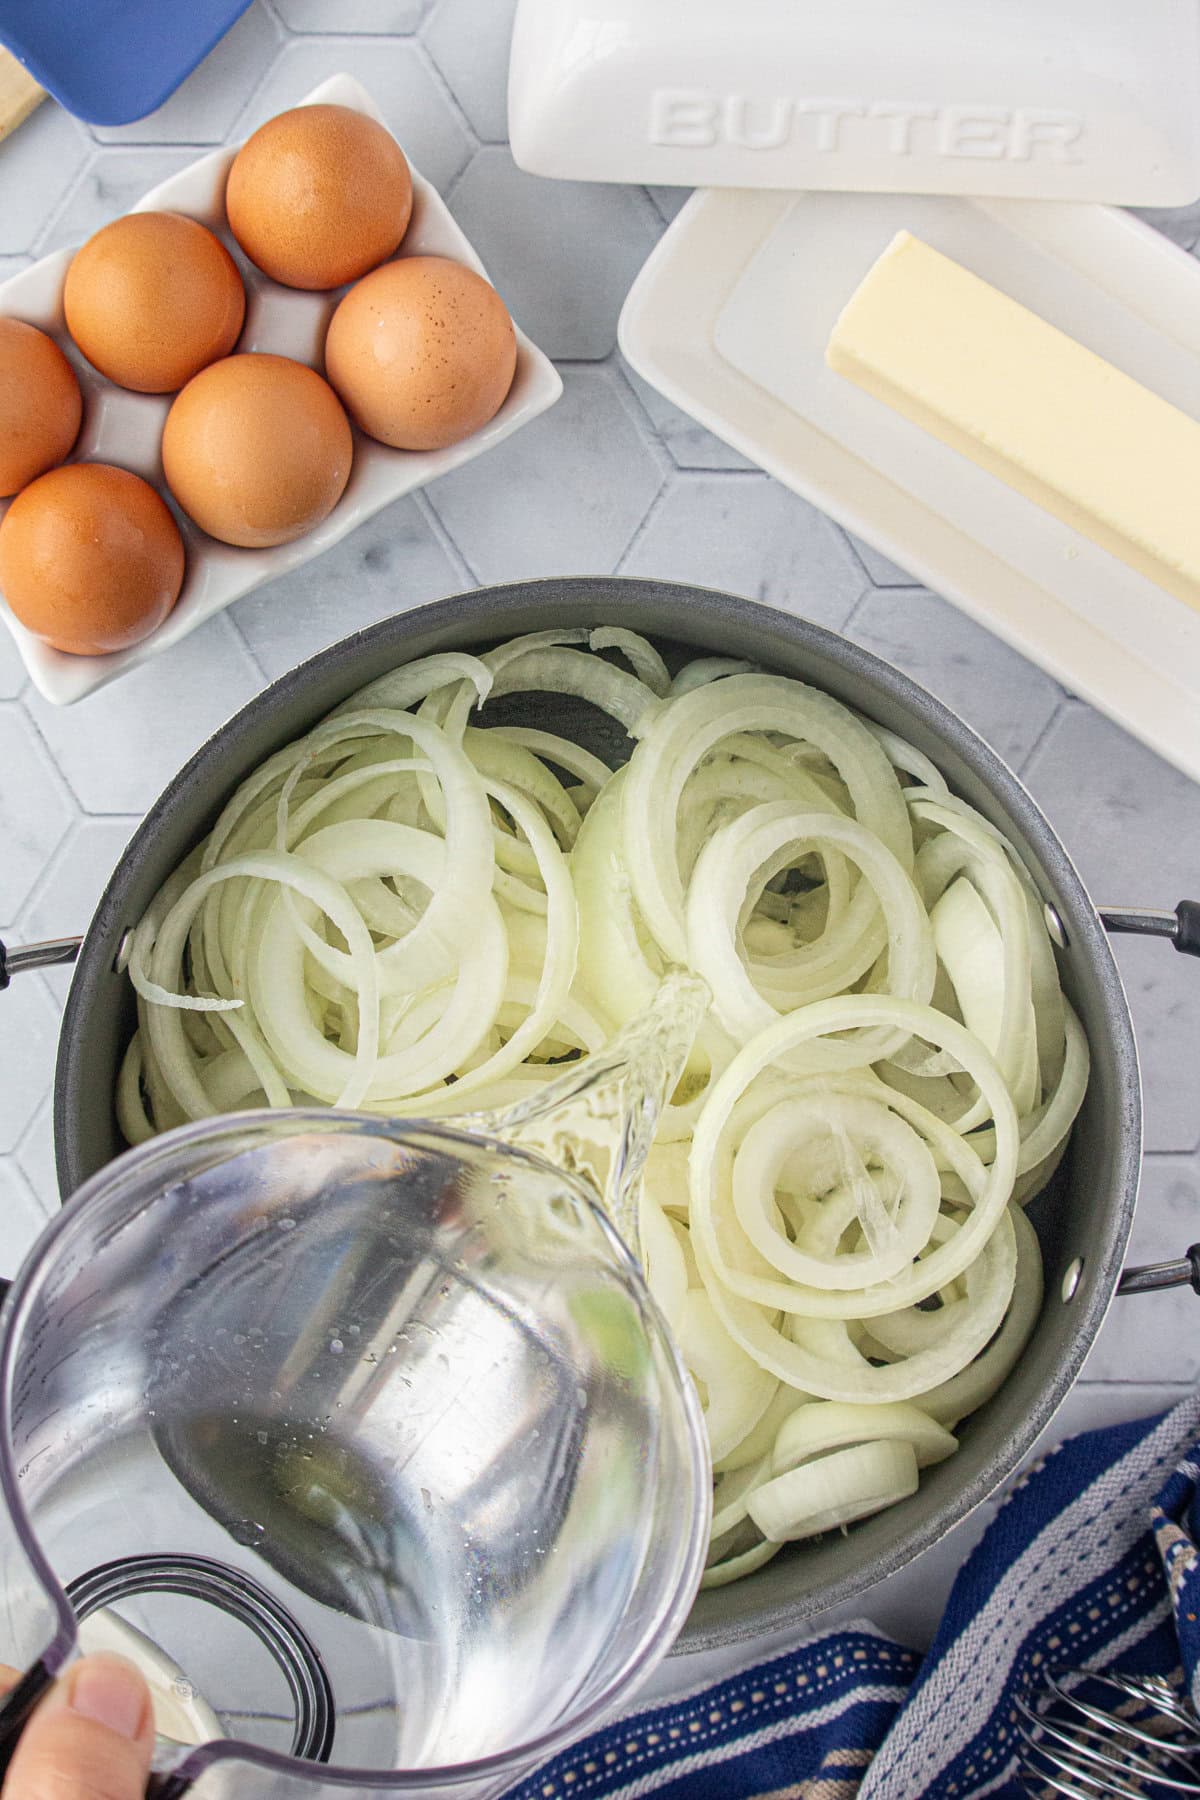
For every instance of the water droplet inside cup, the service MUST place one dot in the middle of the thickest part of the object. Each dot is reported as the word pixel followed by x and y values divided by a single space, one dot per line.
pixel 336 1346
pixel 247 1531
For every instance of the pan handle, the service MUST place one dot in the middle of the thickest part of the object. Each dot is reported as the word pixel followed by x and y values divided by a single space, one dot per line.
pixel 47 955
pixel 1182 927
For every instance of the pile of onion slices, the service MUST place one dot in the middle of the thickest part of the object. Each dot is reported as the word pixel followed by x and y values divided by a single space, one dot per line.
pixel 417 911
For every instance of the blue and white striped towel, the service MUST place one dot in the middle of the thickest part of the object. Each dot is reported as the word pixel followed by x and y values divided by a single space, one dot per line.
pixel 1092 1560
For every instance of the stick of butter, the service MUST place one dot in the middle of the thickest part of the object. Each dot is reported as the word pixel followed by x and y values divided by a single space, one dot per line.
pixel 1030 405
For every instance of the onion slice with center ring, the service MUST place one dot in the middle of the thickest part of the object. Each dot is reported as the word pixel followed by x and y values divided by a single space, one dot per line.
pixel 839 1488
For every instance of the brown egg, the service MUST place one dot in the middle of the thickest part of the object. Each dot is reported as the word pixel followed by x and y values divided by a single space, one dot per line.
pixel 90 559
pixel 40 405
pixel 153 298
pixel 422 352
pixel 257 450
pixel 318 196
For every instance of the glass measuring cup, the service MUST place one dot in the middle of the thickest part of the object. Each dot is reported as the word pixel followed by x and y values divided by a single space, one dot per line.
pixel 371 1427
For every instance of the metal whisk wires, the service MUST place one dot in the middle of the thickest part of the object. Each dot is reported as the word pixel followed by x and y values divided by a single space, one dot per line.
pixel 1084 1752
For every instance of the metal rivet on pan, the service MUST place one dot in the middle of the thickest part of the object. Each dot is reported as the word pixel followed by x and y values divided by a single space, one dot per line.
pixel 123 952
pixel 1071 1276
pixel 1055 926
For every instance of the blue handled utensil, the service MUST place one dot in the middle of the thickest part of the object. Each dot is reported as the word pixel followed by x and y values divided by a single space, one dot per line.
pixel 111 61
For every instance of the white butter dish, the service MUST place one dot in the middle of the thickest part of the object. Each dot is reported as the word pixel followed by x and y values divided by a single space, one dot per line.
pixel 126 428
pixel 1038 99
pixel 730 319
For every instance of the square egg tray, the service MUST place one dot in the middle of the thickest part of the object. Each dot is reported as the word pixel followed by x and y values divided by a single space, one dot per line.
pixel 126 428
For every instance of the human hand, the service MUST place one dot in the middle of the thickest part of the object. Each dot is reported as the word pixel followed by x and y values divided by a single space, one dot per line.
pixel 89 1739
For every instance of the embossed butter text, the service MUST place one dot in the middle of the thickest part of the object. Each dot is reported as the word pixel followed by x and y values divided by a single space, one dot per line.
pixel 695 119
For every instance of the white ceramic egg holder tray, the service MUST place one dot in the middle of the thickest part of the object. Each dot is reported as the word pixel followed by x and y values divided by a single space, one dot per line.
pixel 126 429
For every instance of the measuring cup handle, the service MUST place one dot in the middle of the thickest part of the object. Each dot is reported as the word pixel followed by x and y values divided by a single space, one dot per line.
pixel 19 1703
pixel 16 1707
pixel 165 1787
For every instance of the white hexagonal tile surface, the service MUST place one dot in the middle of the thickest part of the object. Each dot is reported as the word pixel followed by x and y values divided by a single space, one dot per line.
pixel 750 536
pixel 120 747
pixel 22 1215
pixel 34 810
pixel 38 164
pixel 1132 824
pixel 372 17
pixel 30 1026
pixel 394 562
pixel 468 39
pixel 689 444
pixel 1145 1334
pixel 991 687
pixel 881 570
pixel 34 1156
pixel 12 669
pixel 563 253
pixel 75 879
pixel 111 182
pixel 577 483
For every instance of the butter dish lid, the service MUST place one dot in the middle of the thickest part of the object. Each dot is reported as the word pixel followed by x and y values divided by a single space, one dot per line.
pixel 1035 99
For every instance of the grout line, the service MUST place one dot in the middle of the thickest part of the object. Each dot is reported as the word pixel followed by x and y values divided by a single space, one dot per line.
pixel 47 873
pixel 37 248
pixel 447 544
pixel 859 604
pixel 233 134
pixel 631 403
pixel 434 68
pixel 653 216
pixel 57 1007
pixel 643 525
pixel 852 547
pixel 58 778
pixel 273 13
pixel 42 1120
pixel 247 646
pixel 695 475
pixel 17 1172
pixel 204 146
pixel 1026 762
pixel 667 220
pixel 450 546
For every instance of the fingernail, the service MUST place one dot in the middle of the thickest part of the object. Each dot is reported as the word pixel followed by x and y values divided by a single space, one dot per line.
pixel 110 1691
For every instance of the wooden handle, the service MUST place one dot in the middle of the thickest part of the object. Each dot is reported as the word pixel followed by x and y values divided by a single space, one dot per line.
pixel 19 93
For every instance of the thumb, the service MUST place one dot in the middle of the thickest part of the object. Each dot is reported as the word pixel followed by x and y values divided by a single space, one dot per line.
pixel 90 1739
